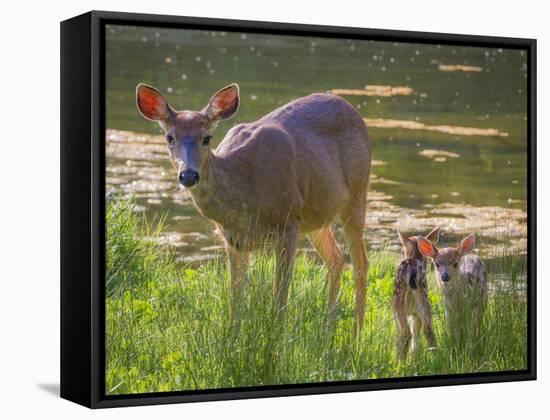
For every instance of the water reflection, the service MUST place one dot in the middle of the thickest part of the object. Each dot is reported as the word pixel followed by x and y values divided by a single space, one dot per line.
pixel 447 123
pixel 152 183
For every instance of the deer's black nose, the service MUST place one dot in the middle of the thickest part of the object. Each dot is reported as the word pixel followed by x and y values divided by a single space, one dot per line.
pixel 445 277
pixel 189 177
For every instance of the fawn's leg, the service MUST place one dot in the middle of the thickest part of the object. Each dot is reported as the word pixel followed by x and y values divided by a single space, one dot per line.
pixel 354 223
pixel 403 332
pixel 427 328
pixel 238 264
pixel 415 324
pixel 324 242
pixel 452 318
pixel 285 248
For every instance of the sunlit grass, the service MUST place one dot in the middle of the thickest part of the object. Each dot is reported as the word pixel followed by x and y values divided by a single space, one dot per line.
pixel 168 325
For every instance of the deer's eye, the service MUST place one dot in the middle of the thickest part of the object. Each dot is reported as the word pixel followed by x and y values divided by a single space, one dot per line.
pixel 206 140
pixel 437 264
pixel 170 139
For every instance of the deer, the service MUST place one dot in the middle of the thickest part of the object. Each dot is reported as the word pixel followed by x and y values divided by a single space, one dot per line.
pixel 411 307
pixel 296 170
pixel 462 280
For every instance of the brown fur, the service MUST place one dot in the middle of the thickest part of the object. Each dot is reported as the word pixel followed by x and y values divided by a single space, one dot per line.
pixel 462 280
pixel 411 307
pixel 296 170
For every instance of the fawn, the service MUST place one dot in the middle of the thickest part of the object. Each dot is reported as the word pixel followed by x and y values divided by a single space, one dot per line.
pixel 462 280
pixel 411 307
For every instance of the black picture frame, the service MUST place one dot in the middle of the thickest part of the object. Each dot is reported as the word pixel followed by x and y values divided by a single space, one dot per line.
pixel 83 199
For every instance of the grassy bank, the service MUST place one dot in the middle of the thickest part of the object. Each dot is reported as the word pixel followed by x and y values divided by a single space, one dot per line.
pixel 168 329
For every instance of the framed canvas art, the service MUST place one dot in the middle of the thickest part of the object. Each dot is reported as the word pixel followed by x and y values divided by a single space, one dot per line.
pixel 254 209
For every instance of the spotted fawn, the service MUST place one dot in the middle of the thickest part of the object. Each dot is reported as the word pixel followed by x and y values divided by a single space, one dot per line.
pixel 411 306
pixel 462 280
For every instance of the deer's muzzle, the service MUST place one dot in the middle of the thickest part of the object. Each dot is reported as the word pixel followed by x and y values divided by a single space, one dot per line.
pixel 189 178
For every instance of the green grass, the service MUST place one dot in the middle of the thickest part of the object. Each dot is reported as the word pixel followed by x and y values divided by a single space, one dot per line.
pixel 168 326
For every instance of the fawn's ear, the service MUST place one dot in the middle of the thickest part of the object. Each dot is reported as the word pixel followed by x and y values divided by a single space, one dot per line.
pixel 467 244
pixel 433 236
pixel 224 104
pixel 151 103
pixel 425 247
pixel 408 245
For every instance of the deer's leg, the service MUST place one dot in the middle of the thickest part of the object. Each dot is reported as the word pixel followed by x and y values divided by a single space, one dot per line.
pixel 324 242
pixel 238 264
pixel 285 248
pixel 353 233
pixel 403 333
pixel 415 324
pixel 452 312
pixel 427 328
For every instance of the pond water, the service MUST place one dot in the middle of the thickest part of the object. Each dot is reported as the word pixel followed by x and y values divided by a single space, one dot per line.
pixel 448 125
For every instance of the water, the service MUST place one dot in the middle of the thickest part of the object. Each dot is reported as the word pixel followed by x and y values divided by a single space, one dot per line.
pixel 423 174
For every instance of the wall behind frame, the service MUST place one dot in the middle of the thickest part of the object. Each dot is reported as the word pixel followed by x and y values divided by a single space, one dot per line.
pixel 29 169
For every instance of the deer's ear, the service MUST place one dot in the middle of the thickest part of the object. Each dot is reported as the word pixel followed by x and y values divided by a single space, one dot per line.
pixel 425 247
pixel 467 244
pixel 433 236
pixel 151 103
pixel 224 104
pixel 408 245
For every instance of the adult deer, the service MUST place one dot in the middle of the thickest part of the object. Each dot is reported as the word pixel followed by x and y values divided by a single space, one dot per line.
pixel 295 170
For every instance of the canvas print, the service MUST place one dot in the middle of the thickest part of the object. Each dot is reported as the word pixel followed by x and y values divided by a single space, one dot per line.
pixel 285 210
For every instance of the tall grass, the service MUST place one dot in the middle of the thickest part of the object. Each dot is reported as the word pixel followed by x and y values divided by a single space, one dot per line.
pixel 168 325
